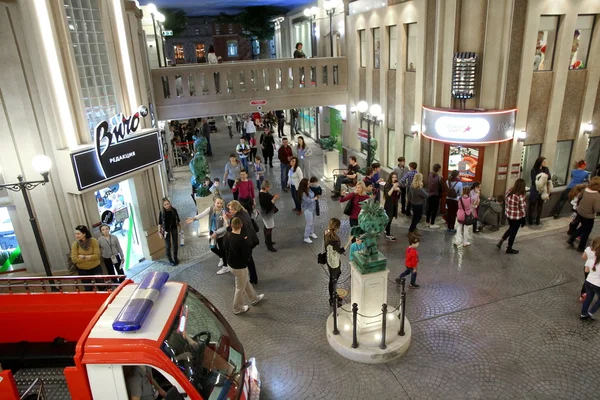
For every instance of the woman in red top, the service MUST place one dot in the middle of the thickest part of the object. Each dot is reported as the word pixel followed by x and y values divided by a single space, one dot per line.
pixel 411 261
pixel 359 194
pixel 245 191
pixel 515 213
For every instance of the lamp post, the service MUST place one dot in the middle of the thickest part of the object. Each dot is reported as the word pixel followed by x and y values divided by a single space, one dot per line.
pixel 311 13
pixel 154 12
pixel 161 19
pixel 373 116
pixel 329 7
pixel 41 164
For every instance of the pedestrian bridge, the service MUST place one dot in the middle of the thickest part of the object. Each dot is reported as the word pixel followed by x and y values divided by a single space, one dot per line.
pixel 202 90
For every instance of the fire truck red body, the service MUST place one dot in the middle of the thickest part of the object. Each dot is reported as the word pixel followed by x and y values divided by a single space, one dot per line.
pixel 191 349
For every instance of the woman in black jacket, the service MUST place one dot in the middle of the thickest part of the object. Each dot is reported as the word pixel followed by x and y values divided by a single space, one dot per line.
pixel 267 143
pixel 237 210
pixel 169 226
pixel 391 194
pixel 333 249
pixel 267 205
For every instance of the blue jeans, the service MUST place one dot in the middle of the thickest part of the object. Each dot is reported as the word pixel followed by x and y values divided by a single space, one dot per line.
pixel 244 161
pixel 413 275
pixel 285 170
pixel 309 229
pixel 590 290
pixel 295 197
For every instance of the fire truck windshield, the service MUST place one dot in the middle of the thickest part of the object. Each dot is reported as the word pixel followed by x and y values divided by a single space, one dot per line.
pixel 205 348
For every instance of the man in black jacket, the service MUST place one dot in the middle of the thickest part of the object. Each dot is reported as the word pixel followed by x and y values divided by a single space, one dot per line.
pixel 239 248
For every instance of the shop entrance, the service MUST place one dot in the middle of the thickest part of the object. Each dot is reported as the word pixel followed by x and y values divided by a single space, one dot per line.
pixel 467 159
pixel 115 206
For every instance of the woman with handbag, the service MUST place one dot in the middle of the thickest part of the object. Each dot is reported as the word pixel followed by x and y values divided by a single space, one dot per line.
pixel 111 251
pixel 169 226
pixel 217 229
pixel 333 250
pixel 352 209
pixel 587 208
pixel 539 192
pixel 514 206
pixel 391 194
pixel 465 219
pixel 267 201
pixel 85 254
pixel 249 229
pixel 295 176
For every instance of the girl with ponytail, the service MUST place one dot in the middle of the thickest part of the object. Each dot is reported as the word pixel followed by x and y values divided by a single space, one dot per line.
pixel 591 255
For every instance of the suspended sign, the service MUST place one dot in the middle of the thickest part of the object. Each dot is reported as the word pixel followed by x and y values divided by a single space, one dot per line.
pixel 468 126
pixel 167 33
pixel 258 103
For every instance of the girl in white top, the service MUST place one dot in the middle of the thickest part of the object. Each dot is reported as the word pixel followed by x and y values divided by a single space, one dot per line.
pixel 295 176
pixel 213 59
pixel 591 255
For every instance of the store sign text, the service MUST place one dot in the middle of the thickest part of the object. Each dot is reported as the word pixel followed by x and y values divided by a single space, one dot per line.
pixel 105 137
pixel 458 128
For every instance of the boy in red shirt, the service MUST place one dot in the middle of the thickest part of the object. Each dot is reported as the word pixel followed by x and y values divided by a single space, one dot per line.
pixel 412 260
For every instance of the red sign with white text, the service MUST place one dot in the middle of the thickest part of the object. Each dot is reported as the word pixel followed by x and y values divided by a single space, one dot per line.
pixel 258 103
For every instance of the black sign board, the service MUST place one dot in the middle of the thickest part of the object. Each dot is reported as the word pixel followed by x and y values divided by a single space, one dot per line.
pixel 119 158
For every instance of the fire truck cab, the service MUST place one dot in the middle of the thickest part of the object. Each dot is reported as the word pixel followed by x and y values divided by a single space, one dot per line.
pixel 104 345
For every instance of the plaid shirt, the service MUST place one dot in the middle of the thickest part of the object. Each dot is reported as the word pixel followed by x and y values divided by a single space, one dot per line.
pixel 515 206
pixel 407 179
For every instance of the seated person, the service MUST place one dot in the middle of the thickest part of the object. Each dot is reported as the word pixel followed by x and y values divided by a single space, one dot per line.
pixel 349 176
pixel 140 383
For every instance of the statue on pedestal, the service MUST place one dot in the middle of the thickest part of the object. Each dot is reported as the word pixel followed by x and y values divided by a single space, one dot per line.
pixel 199 167
pixel 371 222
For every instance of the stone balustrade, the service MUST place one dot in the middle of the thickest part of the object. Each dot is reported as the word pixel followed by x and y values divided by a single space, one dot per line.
pixel 200 90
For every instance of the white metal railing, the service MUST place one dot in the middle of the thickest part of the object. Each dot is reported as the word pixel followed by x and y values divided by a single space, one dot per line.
pixel 230 82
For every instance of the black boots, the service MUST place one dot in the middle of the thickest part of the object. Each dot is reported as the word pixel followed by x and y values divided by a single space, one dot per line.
pixel 510 250
pixel 269 240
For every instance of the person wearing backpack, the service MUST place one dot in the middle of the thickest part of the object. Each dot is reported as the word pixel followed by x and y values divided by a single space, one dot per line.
pixel 463 216
pixel 455 187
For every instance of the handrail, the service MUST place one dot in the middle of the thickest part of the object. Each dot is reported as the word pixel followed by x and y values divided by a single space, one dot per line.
pixel 58 283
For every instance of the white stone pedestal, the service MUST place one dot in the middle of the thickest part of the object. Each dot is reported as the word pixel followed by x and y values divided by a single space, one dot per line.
pixel 331 162
pixel 203 203
pixel 369 291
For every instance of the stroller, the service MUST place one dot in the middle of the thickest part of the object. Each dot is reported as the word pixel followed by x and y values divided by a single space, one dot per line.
pixel 491 212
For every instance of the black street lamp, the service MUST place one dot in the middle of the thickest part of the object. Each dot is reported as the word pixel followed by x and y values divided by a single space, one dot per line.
pixel 156 16
pixel 374 117
pixel 329 7
pixel 42 164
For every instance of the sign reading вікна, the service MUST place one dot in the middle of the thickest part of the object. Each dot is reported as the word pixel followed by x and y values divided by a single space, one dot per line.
pixel 468 126
pixel 117 151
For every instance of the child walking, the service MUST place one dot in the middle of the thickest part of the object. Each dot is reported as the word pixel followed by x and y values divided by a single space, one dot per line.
pixel 317 190
pixel 411 261
pixel 259 170
pixel 589 256
pixel 592 280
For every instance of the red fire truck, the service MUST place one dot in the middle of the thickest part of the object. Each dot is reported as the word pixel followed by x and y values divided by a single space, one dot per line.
pixel 157 337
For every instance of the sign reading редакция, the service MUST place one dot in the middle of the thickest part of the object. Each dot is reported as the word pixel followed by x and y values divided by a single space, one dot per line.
pixel 117 151
pixel 460 126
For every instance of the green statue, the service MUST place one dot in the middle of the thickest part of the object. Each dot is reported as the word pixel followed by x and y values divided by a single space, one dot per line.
pixel 371 222
pixel 199 168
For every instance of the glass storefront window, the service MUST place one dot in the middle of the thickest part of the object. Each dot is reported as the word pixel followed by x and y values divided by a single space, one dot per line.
pixel 117 199
pixel 376 48
pixel 546 43
pixel 393 33
pixel 391 148
pixel 91 57
pixel 179 54
pixel 561 162
pixel 581 41
pixel 200 53
pixel 528 156
pixel 363 48
pixel 465 160
pixel 411 47
pixel 10 252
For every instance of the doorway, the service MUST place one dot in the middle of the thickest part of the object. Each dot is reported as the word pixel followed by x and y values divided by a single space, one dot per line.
pixel 467 159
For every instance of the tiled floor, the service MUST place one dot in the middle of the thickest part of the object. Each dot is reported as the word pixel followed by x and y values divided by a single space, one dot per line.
pixel 486 325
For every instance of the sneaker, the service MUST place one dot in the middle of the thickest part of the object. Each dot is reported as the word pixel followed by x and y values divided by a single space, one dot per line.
pixel 415 286
pixel 434 226
pixel 390 238
pixel 307 240
pixel 591 316
pixel 243 310
pixel 312 235
pixel 224 270
pixel 258 299
pixel 582 297
pixel 584 317
pixel 220 263
pixel 466 244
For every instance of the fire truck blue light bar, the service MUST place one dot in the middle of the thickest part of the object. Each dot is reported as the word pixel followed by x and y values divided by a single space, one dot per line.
pixel 135 311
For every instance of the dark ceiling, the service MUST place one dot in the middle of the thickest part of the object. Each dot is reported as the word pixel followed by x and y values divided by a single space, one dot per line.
pixel 215 7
